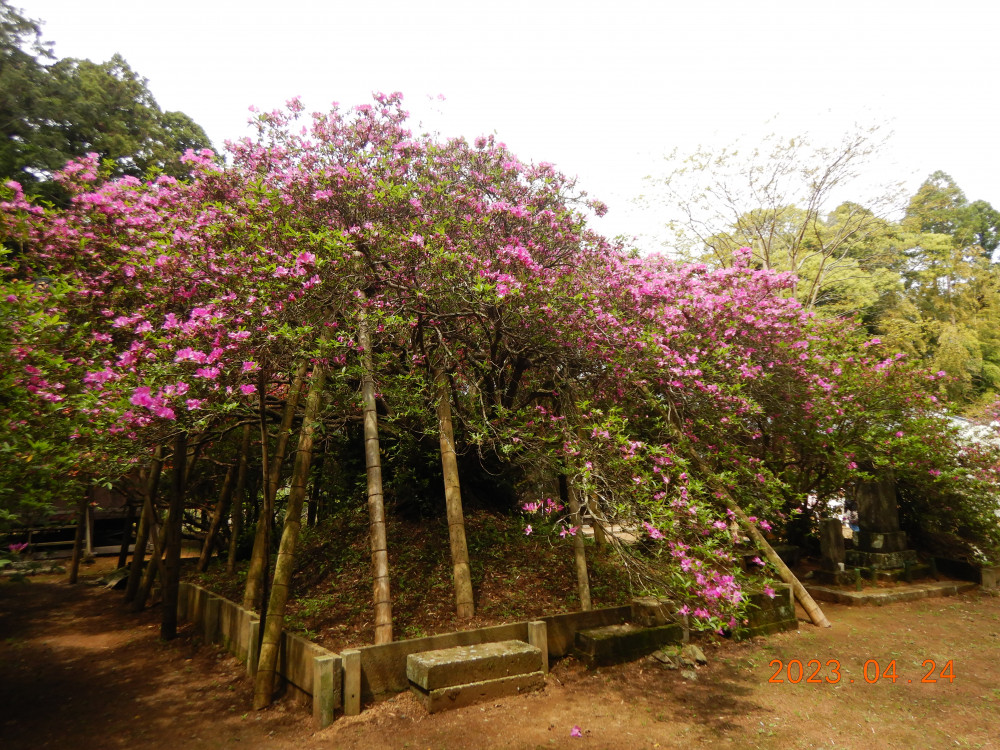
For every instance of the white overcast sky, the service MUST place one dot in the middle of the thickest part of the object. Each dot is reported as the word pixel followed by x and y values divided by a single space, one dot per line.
pixel 601 89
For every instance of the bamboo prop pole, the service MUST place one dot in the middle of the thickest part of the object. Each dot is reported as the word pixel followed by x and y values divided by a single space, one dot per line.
pixel 381 593
pixel 805 599
pixel 464 604
pixel 260 557
pixel 283 567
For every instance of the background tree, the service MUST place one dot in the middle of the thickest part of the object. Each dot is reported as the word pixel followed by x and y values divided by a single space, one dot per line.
pixel 56 110
pixel 786 201
pixel 947 313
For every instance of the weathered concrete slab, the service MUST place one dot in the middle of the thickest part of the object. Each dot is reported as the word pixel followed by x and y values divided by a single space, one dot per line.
pixel 878 597
pixel 327 682
pixel 538 636
pixel 383 667
pixel 443 699
pixel 649 612
pixel 989 578
pixel 615 644
pixel 464 665
pixel 767 615
pixel 351 660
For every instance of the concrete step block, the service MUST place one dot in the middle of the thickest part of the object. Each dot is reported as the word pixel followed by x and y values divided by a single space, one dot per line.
pixel 457 696
pixel 465 665
pixel 615 644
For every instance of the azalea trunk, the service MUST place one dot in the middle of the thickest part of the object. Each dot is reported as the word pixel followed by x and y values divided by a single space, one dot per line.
pixel 600 533
pixel 221 508
pixel 172 561
pixel 464 606
pixel 236 524
pixel 138 555
pixel 260 557
pixel 154 568
pixel 567 493
pixel 81 523
pixel 126 533
pixel 312 515
pixel 274 621
pixel 376 506
pixel 147 521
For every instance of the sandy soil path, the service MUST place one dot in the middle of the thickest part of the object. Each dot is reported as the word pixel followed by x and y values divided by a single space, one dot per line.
pixel 77 671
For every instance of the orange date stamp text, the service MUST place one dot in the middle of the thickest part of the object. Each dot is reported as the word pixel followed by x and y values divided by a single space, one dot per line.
pixel 816 672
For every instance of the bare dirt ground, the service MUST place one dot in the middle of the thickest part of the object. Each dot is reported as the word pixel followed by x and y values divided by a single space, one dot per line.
pixel 77 670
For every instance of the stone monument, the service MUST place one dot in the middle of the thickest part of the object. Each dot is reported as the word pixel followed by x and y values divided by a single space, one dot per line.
pixel 880 543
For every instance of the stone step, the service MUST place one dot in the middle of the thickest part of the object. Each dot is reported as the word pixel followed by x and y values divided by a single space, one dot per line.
pixel 878 597
pixel 463 675
pixel 465 665
pixel 442 699
pixel 615 644
pixel 768 614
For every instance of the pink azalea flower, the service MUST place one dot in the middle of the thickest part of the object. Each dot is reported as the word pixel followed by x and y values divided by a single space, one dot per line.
pixel 654 533
pixel 575 732
pixel 247 390
pixel 528 530
pixel 769 592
